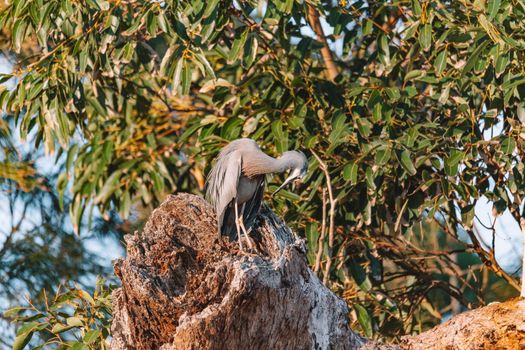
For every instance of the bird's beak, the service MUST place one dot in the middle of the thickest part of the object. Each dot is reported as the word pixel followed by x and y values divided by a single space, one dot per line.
pixel 286 182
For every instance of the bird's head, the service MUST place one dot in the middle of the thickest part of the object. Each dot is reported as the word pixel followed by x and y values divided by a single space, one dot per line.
pixel 297 163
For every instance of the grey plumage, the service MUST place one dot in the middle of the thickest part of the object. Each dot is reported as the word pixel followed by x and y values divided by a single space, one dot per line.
pixel 238 178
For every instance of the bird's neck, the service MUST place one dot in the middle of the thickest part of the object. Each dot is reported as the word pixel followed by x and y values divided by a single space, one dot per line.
pixel 264 164
pixel 281 165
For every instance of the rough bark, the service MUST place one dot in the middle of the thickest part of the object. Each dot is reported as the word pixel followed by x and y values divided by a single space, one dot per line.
pixel 495 326
pixel 184 289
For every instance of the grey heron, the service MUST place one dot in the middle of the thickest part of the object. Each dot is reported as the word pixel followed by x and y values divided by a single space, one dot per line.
pixel 235 184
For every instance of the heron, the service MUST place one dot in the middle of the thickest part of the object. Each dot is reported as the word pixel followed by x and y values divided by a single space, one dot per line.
pixel 235 184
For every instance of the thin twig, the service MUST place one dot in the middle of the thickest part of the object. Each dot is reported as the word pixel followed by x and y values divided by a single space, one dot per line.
pixel 333 202
pixel 321 237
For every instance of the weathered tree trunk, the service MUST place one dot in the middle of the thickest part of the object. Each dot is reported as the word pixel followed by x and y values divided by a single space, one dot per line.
pixel 183 289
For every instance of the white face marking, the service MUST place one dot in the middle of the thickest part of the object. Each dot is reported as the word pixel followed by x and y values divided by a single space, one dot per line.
pixel 295 173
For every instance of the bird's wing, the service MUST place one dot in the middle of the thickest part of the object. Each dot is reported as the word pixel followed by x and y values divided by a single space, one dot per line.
pixel 222 182
pixel 253 205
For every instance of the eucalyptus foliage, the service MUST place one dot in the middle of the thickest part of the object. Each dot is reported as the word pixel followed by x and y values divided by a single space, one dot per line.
pixel 71 319
pixel 38 248
pixel 140 95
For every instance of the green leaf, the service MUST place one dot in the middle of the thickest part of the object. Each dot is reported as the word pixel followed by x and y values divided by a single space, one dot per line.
pixel 76 209
pixel 350 172
pixel 26 328
pixel 393 93
pixel 467 214
pixel 382 156
pixel 110 186
pixel 59 328
pixel 406 162
pixel 34 90
pixel 416 73
pixel 452 162
pixel 22 340
pixel 163 23
pixel 128 51
pixel 5 77
pixel 369 174
pixel 91 336
pixel 280 136
pixel 416 8
pixel 79 346
pixel 210 7
pixel 384 48
pixel 74 322
pixel 86 296
pixel 312 236
pixel 190 131
pixel 250 51
pixel 364 319
pixel 208 70
pixel 93 101
pixel 125 205
pixel 425 36
pixel 473 58
pixel 177 76
pixel 61 188
pixel 377 112
pixel 210 85
pixel 501 64
pixel 360 276
pixel 441 62
pixel 367 26
pixel 508 145
pixel 10 313
pixel 136 25
pixel 186 78
pixel 493 8
pixel 152 24
pixel 511 84
pixel 241 35
pixel 364 127
pixel 18 34
pixel 71 154
pixel 286 194
pixel 180 29
pixel 18 6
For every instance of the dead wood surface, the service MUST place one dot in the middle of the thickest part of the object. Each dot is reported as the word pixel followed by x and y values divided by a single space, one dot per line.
pixel 498 326
pixel 183 289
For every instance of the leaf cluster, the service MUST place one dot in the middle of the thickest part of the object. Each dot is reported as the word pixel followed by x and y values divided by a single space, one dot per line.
pixel 72 319
pixel 424 118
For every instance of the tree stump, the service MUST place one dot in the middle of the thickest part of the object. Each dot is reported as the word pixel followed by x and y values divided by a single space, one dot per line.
pixel 184 289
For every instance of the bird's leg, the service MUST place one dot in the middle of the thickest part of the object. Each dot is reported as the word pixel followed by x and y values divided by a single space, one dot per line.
pixel 241 224
pixel 248 239
pixel 237 225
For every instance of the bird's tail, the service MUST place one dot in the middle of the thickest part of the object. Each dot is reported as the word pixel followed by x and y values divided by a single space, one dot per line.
pixel 228 227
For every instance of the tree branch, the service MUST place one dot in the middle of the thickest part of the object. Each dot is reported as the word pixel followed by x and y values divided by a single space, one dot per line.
pixel 331 214
pixel 313 19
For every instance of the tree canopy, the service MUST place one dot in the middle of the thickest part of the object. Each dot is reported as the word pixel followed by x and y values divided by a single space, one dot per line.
pixel 409 111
